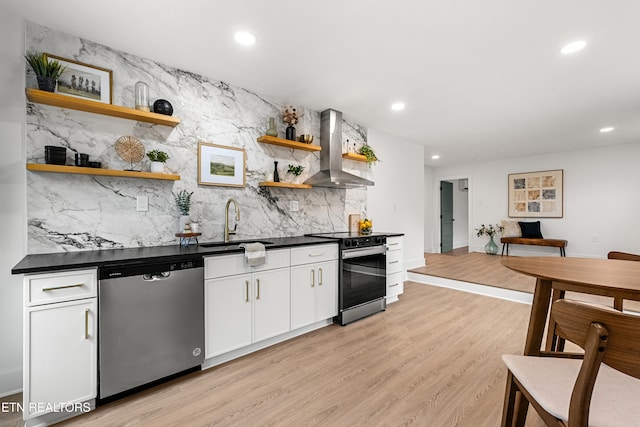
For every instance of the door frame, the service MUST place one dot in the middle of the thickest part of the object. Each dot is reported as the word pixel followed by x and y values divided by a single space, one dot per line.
pixel 436 204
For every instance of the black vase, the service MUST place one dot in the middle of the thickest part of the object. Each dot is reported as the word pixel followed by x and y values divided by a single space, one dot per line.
pixel 291 133
pixel 162 106
pixel 46 83
pixel 276 177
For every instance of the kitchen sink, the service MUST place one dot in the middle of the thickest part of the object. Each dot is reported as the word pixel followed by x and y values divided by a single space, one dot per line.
pixel 231 245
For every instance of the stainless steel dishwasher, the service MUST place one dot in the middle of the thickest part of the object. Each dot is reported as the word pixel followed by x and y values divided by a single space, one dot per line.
pixel 150 323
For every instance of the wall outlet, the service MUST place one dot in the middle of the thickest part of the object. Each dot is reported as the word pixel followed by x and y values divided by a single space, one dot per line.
pixel 142 204
pixel 594 238
pixel 293 206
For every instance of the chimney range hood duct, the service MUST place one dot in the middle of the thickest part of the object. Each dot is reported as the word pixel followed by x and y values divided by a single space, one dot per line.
pixel 331 174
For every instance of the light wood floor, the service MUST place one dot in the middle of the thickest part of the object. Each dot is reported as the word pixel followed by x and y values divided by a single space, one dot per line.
pixel 432 359
pixel 475 267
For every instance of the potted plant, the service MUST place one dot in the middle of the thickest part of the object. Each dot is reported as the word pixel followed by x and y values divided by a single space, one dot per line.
pixel 368 152
pixel 296 171
pixel 183 202
pixel 489 230
pixel 158 159
pixel 47 71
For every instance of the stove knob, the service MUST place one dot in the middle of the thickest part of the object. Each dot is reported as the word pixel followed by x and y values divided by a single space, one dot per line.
pixel 347 243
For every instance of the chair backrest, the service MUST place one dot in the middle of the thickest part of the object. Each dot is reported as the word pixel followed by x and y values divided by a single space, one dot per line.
pixel 574 319
pixel 623 255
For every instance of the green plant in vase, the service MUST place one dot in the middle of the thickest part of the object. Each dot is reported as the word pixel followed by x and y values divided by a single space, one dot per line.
pixel 183 203
pixel 296 171
pixel 368 152
pixel 47 71
pixel 158 159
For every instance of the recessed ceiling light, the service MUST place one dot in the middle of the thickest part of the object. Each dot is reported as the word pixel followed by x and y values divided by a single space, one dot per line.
pixel 435 157
pixel 398 106
pixel 573 47
pixel 607 129
pixel 244 38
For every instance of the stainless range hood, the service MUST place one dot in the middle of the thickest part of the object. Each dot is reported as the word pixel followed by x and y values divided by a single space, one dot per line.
pixel 331 174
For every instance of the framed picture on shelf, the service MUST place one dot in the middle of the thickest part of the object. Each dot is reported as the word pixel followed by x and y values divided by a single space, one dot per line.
pixel 84 80
pixel 221 165
pixel 536 194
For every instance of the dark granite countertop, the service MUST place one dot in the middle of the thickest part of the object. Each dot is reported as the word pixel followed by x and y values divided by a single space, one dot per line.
pixel 39 263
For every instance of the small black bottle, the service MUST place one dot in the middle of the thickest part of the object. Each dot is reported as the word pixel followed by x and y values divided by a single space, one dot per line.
pixel 276 177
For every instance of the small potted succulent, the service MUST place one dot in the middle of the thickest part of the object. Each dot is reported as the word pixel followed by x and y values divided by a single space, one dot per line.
pixel 296 171
pixel 47 71
pixel 158 159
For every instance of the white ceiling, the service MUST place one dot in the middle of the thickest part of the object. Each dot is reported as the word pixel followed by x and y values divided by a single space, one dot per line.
pixel 481 80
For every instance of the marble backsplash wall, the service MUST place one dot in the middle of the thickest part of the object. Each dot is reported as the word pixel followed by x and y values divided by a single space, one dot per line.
pixel 81 212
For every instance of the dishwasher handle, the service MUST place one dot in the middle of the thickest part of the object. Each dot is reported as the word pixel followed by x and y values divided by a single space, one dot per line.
pixel 156 276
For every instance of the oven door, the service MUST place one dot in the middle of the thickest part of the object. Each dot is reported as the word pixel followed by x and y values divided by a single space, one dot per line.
pixel 362 276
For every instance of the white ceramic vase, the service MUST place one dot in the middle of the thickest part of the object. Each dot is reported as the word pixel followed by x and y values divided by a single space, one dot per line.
pixel 184 219
pixel 157 167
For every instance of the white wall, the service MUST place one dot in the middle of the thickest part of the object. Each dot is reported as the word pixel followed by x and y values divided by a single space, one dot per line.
pixel 13 196
pixel 601 198
pixel 431 222
pixel 396 203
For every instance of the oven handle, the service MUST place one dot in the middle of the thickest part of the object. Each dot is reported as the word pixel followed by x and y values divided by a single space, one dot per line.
pixel 356 253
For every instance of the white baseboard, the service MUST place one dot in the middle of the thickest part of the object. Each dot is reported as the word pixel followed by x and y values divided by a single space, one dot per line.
pixel 11 382
pixel 490 291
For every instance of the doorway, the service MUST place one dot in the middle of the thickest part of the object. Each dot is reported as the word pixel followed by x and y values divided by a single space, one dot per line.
pixel 454 215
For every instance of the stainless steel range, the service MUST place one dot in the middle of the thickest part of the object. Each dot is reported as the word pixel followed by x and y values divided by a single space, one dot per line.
pixel 362 278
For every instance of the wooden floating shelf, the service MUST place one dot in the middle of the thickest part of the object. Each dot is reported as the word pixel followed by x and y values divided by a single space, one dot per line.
pixel 39 167
pixel 354 156
pixel 63 101
pixel 289 144
pixel 283 185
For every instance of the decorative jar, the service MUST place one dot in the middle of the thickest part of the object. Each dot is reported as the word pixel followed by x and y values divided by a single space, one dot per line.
pixel 142 96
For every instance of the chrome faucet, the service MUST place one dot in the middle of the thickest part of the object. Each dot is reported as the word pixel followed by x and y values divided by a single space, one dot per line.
pixel 227 231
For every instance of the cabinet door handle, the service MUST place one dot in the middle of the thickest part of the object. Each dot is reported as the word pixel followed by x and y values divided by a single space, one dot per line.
pixel 86 324
pixel 394 262
pixel 320 277
pixel 55 288
pixel 246 289
pixel 313 278
pixel 393 244
pixel 396 284
pixel 258 282
pixel 316 254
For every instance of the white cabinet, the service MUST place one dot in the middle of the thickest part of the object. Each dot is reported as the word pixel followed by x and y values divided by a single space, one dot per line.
pixel 314 284
pixel 395 268
pixel 243 304
pixel 60 340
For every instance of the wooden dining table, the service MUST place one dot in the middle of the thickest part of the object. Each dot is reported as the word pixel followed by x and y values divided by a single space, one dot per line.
pixel 605 277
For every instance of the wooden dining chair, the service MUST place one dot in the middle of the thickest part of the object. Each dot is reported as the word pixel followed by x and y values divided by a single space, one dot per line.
pixel 553 341
pixel 598 388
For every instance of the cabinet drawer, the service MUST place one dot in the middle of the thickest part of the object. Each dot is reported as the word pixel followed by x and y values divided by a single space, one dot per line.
pixel 315 253
pixel 63 286
pixel 225 265
pixel 277 258
pixel 394 243
pixel 394 262
pixel 229 265
pixel 395 284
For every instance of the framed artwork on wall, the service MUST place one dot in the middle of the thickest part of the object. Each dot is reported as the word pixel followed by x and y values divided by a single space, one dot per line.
pixel 221 165
pixel 536 194
pixel 84 81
